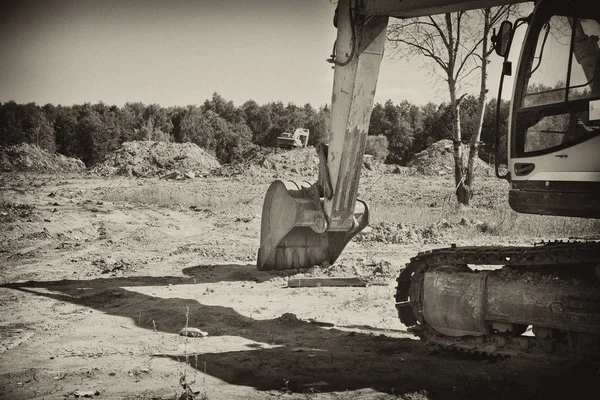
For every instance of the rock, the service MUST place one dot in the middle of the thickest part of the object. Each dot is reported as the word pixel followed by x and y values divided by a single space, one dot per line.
pixel 192 332
pixel 171 175
pixel 383 268
pixel 266 163
pixel 85 393
pixel 397 169
pixel 189 175
pixel 289 319
pixel 368 162
pixel 36 218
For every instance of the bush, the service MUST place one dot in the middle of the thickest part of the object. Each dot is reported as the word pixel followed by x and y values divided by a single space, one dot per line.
pixel 377 146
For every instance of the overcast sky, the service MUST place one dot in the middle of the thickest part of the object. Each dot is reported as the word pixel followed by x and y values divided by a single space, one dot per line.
pixel 180 52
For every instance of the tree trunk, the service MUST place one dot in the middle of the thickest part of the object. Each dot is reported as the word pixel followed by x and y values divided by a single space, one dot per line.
pixel 462 195
pixel 474 143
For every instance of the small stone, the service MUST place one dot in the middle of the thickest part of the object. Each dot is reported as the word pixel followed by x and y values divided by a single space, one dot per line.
pixel 192 332
pixel 86 393
pixel 36 218
pixel 171 175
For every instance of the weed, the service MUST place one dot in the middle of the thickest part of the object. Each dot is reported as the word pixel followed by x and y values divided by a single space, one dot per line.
pixel 169 196
pixel 188 393
pixel 495 222
pixel 311 394
pixel 286 389
pixel 347 396
pixel 490 228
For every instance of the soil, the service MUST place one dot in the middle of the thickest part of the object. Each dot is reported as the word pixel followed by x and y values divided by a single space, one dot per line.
pixel 26 157
pixel 148 158
pixel 300 163
pixel 94 294
pixel 438 159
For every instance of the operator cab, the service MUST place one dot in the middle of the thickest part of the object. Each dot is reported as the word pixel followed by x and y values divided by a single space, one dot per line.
pixel 554 146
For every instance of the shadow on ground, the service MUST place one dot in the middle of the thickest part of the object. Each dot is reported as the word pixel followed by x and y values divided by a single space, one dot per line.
pixel 313 359
pixel 227 272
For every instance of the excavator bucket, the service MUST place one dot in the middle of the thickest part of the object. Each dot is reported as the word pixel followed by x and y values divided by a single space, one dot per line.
pixel 294 229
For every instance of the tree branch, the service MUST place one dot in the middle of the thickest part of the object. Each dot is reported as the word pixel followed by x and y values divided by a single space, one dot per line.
pixel 424 51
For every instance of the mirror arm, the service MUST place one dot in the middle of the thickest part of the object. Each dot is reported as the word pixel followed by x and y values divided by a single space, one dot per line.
pixel 497 138
pixel 506 70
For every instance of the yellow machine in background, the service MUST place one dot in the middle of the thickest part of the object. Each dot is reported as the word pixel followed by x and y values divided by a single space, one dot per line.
pixel 554 169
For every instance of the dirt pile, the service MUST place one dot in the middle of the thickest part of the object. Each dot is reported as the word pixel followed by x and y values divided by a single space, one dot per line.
pixel 148 158
pixel 392 233
pixel 304 162
pixel 27 157
pixel 274 162
pixel 438 159
pixel 370 271
pixel 435 233
pixel 301 161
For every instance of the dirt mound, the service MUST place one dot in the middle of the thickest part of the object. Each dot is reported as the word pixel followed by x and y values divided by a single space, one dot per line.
pixel 274 162
pixel 302 162
pixel 356 267
pixel 27 157
pixel 147 158
pixel 439 232
pixel 401 233
pixel 368 270
pixel 306 161
pixel 438 159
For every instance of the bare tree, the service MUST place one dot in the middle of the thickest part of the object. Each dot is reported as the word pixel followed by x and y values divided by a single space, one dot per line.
pixel 456 44
pixel 490 17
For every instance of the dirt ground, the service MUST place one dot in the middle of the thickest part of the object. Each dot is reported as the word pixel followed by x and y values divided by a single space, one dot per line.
pixel 95 289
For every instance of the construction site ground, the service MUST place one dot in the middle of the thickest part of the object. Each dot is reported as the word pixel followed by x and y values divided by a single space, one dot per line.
pixel 100 275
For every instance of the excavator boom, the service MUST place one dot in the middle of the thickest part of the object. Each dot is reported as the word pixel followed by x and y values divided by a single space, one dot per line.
pixel 422 8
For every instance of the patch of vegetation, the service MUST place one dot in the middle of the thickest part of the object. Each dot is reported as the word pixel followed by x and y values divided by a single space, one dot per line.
pixel 419 208
pixel 377 146
pixel 161 195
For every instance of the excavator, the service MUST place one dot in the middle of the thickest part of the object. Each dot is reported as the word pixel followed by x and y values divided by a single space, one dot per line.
pixel 541 298
pixel 290 140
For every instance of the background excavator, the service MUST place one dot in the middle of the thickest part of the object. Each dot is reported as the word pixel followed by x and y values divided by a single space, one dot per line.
pixel 297 139
pixel 553 169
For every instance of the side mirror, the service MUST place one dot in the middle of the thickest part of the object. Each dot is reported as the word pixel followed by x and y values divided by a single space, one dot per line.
pixel 503 38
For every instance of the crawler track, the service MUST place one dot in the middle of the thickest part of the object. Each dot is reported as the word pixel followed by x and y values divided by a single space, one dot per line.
pixel 516 261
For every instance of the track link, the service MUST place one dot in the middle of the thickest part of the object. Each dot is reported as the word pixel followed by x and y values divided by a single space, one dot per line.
pixel 551 254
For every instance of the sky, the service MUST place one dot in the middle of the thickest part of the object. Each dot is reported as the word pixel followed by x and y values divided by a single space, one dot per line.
pixel 179 52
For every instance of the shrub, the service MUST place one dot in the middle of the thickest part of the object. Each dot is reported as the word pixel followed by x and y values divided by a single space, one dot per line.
pixel 377 146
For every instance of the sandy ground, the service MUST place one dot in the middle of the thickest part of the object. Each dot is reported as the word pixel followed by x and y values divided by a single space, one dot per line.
pixel 94 293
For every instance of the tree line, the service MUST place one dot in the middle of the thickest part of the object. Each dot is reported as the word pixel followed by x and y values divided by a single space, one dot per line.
pixel 90 131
